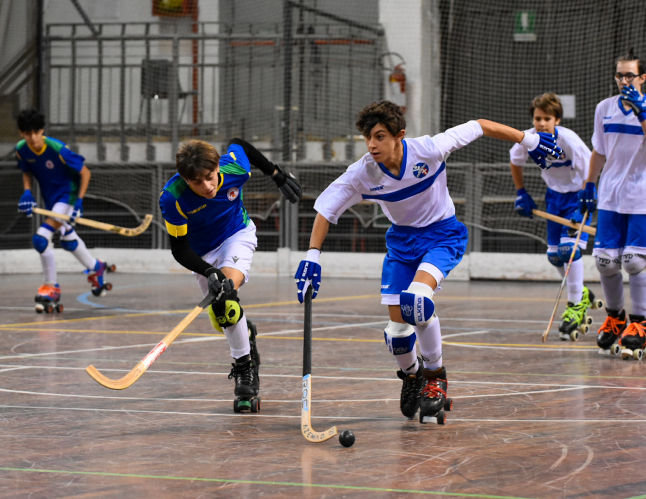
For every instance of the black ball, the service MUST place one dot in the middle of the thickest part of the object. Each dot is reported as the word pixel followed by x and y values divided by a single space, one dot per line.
pixel 346 438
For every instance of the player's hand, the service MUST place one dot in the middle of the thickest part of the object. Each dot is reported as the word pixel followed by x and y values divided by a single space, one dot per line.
pixel 308 274
pixel 26 203
pixel 637 102
pixel 288 185
pixel 524 203
pixel 587 198
pixel 78 211
pixel 219 285
pixel 542 148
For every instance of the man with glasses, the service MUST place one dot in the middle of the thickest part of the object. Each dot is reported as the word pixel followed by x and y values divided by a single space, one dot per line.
pixel 618 141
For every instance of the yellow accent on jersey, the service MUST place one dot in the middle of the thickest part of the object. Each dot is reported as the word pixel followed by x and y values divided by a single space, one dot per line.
pixel 233 156
pixel 180 210
pixel 177 230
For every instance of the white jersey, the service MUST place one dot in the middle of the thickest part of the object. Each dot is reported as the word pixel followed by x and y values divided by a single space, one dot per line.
pixel 619 137
pixel 417 197
pixel 565 175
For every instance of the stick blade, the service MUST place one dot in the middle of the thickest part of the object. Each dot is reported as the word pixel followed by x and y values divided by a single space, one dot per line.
pixel 117 384
pixel 315 436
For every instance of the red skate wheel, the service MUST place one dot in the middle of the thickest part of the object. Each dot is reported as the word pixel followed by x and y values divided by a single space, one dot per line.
pixel 49 309
pixel 108 286
pixel 440 417
pixel 112 268
pixel 59 308
pixel 448 404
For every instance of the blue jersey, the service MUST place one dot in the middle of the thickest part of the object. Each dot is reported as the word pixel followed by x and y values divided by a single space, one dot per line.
pixel 56 168
pixel 208 222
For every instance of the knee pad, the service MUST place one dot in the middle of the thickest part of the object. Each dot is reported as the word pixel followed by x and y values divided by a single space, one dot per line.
pixel 400 338
pixel 225 313
pixel 633 263
pixel 606 265
pixel 416 304
pixel 555 259
pixel 40 243
pixel 70 240
pixel 565 251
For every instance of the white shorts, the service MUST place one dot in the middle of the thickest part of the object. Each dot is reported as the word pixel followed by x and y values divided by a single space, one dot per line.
pixel 63 209
pixel 236 252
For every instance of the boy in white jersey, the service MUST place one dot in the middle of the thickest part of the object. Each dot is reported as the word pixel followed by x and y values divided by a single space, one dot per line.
pixel 408 180
pixel 618 141
pixel 564 179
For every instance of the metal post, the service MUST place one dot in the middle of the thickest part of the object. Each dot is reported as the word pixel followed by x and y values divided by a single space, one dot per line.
pixel 100 146
pixel 122 98
pixel 41 76
pixel 150 148
pixel 72 94
pixel 172 101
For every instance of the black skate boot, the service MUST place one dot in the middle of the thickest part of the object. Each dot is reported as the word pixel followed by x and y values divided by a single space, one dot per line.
pixel 433 401
pixel 611 330
pixel 247 385
pixel 411 388
pixel 633 339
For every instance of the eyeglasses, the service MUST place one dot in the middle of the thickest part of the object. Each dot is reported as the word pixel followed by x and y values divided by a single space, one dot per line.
pixel 629 76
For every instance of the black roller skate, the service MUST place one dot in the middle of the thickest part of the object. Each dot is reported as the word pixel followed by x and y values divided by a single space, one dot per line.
pixel 247 385
pixel 575 318
pixel 95 278
pixel 632 342
pixel 48 298
pixel 610 331
pixel 433 400
pixel 411 388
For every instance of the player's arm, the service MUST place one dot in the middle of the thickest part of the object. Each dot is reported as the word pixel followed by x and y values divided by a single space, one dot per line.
pixel 85 175
pixel 587 197
pixel 27 202
pixel 517 176
pixel 26 181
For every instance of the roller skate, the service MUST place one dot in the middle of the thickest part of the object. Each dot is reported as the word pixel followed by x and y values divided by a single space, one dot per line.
pixel 575 319
pixel 433 400
pixel 632 342
pixel 411 388
pixel 611 330
pixel 247 385
pixel 47 299
pixel 95 278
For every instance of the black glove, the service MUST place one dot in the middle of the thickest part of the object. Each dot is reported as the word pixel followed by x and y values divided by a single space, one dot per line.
pixel 219 285
pixel 288 185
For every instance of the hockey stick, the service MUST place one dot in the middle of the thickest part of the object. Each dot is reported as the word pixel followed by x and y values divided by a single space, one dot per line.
pixel 146 362
pixel 564 221
pixel 567 271
pixel 306 399
pixel 122 231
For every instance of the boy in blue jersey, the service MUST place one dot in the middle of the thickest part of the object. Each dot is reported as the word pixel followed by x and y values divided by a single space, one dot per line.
pixel 63 180
pixel 212 235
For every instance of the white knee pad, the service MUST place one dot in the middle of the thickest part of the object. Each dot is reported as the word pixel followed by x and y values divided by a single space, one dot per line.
pixel 633 263
pixel 608 265
pixel 416 304
pixel 400 338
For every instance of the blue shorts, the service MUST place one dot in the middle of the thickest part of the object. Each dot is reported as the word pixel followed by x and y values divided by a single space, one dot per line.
pixel 441 244
pixel 564 205
pixel 619 233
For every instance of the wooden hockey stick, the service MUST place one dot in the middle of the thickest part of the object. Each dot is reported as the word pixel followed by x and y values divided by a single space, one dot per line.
pixel 122 231
pixel 146 362
pixel 564 221
pixel 306 399
pixel 567 271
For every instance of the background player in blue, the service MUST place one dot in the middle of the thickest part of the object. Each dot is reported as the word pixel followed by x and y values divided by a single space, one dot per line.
pixel 618 141
pixel 407 177
pixel 63 180
pixel 212 235
pixel 564 179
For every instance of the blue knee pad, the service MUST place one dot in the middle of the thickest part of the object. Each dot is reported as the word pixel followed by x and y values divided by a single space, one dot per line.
pixel 400 338
pixel 416 304
pixel 565 251
pixel 69 245
pixel 555 259
pixel 40 243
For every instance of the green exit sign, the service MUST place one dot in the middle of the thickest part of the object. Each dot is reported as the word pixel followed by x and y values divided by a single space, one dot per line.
pixel 525 27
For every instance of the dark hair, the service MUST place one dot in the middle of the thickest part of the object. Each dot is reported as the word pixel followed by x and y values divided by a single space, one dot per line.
pixel 385 112
pixel 196 159
pixel 30 120
pixel 630 56
pixel 549 103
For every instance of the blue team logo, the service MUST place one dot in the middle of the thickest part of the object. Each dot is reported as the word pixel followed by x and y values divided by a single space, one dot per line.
pixel 420 170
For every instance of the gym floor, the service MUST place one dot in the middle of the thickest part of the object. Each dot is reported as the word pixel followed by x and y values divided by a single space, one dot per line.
pixel 529 420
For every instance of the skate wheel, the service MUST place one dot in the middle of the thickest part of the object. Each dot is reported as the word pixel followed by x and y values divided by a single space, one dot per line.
pixel 589 320
pixel 615 349
pixel 49 309
pixel 236 407
pixel 626 354
pixel 441 417
pixel 255 405
pixel 584 329
pixel 39 308
pixel 111 268
pixel 108 286
pixel 574 335
pixel 96 291
pixel 597 304
pixel 59 308
pixel 448 404
pixel 638 354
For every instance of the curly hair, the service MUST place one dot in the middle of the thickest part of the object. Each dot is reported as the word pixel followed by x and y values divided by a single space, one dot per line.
pixel 385 112
pixel 195 159
pixel 30 120
pixel 548 103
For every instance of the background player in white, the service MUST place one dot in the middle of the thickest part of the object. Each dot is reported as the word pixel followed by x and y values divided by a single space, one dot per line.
pixel 564 179
pixel 407 177
pixel 618 141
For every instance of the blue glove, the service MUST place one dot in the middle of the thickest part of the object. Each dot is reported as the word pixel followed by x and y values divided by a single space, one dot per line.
pixel 78 211
pixel 309 272
pixel 26 203
pixel 588 198
pixel 636 101
pixel 524 203
pixel 542 148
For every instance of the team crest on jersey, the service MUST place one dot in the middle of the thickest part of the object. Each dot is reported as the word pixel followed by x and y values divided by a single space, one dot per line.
pixel 49 164
pixel 233 193
pixel 420 170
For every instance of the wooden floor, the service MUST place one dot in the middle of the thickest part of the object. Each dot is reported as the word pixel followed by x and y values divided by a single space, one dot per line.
pixel 530 420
